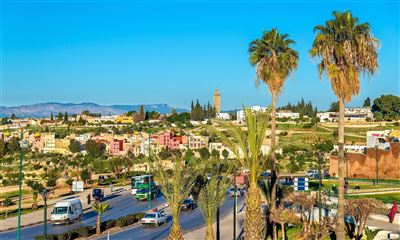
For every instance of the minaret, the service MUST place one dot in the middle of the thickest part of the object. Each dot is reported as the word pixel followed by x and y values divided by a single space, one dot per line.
pixel 217 101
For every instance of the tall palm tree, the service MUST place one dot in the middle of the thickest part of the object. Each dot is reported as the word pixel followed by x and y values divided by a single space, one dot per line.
pixel 99 208
pixel 274 60
pixel 345 48
pixel 212 195
pixel 246 145
pixel 176 186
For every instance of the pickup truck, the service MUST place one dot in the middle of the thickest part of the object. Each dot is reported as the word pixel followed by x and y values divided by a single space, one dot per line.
pixel 154 219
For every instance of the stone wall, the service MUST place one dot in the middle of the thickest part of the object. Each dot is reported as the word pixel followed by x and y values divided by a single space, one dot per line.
pixel 364 165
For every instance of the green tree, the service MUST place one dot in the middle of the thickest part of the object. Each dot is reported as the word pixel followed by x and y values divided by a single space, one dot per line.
pixel 211 196
pixel 74 146
pixel 99 208
pixel 176 185
pixel 13 145
pixel 3 148
pixel 37 188
pixel 388 106
pixel 246 145
pixel 94 149
pixel 345 49
pixel 86 175
pixel 215 154
pixel 60 116
pixel 274 60
pixel 13 116
pixel 51 117
pixel 367 102
pixel 204 153
pixel 65 117
pixel 334 107
pixel 225 154
pixel 141 113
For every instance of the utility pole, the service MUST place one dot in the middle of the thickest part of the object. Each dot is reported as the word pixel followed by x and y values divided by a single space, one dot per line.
pixel 23 145
pixel 234 204
pixel 149 182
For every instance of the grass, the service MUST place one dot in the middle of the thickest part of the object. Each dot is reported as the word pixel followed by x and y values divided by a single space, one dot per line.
pixel 13 213
pixel 12 194
pixel 386 198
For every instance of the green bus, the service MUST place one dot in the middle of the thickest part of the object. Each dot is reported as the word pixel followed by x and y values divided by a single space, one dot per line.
pixel 138 182
pixel 142 192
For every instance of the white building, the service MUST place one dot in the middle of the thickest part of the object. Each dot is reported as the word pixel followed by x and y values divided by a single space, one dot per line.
pixel 223 116
pixel 352 114
pixel 287 114
pixel 241 116
pixel 220 147
pixel 352 148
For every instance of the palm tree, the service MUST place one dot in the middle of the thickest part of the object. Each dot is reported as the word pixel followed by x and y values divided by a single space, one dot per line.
pixel 246 145
pixel 37 188
pixel 211 196
pixel 274 60
pixel 176 186
pixel 345 49
pixel 99 208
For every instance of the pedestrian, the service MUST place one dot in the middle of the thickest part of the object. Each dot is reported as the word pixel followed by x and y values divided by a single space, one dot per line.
pixel 88 199
pixel 393 211
pixel 111 187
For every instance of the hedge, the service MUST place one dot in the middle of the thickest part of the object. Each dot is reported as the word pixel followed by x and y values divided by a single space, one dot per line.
pixel 84 232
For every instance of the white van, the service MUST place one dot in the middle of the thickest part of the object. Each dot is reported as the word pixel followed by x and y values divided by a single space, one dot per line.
pixel 67 211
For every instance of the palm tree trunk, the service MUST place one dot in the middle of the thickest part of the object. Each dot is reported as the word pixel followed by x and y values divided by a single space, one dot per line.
pixel 253 222
pixel 209 232
pixel 283 231
pixel 340 233
pixel 176 231
pixel 273 161
pixel 98 230
pixel 34 198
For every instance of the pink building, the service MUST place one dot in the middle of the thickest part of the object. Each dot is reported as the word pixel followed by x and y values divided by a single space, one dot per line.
pixel 170 141
pixel 116 147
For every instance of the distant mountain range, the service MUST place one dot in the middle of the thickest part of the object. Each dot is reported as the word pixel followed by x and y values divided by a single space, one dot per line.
pixel 45 109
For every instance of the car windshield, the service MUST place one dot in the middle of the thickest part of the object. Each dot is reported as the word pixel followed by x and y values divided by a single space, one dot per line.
pixel 96 191
pixel 142 191
pixel 150 215
pixel 187 201
pixel 60 210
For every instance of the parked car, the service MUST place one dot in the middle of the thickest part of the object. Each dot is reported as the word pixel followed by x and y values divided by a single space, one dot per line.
pixel 67 211
pixel 155 218
pixel 239 192
pixel 312 173
pixel 98 194
pixel 188 204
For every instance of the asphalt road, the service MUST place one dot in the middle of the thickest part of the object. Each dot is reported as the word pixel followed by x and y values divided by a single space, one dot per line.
pixel 189 220
pixel 120 205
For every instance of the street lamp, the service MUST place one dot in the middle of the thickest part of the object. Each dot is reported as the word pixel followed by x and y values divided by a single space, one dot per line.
pixel 23 145
pixel 45 194
pixel 320 156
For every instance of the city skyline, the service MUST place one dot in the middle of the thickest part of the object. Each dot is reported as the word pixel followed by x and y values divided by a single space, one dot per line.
pixel 173 53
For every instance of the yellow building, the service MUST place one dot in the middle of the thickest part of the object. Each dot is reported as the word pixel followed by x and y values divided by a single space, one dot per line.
pixel 217 101
pixel 124 119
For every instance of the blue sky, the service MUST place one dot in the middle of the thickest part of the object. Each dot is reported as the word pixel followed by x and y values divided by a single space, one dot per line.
pixel 131 52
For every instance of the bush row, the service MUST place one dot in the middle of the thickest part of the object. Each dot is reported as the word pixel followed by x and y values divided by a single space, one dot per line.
pixel 84 232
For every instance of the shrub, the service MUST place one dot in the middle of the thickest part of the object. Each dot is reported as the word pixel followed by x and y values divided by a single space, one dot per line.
pixel 64 236
pixel 49 237
pixel 82 231
pixel 110 224
pixel 7 202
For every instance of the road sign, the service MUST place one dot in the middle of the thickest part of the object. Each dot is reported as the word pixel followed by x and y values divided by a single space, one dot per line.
pixel 77 186
pixel 301 184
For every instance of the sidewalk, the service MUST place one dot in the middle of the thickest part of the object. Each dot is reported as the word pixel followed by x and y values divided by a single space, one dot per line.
pixel 226 227
pixel 37 216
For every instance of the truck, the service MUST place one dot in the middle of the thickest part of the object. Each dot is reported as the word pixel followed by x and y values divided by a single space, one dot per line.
pixel 67 211
pixel 98 194
pixel 138 181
